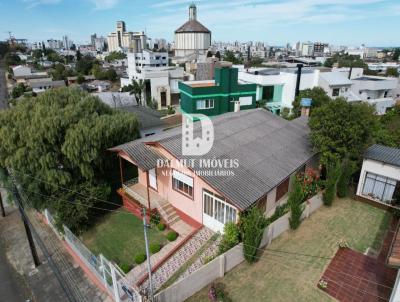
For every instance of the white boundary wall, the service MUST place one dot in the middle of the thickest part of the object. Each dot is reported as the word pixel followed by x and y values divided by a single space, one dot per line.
pixel 217 268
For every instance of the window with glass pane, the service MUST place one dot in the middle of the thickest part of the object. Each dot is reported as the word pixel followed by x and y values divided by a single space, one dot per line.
pixel 230 214
pixel 208 205
pixel 182 187
pixel 378 186
pixel 219 211
pixel 205 104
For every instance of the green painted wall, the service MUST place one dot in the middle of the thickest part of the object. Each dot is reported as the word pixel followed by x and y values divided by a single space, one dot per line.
pixel 278 89
pixel 225 90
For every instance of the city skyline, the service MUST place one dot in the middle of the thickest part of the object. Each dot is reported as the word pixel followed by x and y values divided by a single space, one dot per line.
pixel 339 22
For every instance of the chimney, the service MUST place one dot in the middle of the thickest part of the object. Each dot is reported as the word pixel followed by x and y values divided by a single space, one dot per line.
pixel 350 72
pixel 305 105
pixel 299 67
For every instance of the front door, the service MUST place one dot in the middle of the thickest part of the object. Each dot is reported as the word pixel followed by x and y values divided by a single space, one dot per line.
pixel 153 179
pixel 163 99
pixel 216 212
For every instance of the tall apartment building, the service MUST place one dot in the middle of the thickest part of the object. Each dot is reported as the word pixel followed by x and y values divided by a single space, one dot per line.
pixel 126 40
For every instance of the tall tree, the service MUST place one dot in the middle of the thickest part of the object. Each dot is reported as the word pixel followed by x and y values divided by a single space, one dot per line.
pixel 57 144
pixel 339 128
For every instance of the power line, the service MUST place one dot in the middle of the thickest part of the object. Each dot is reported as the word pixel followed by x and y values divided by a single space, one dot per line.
pixel 56 271
pixel 67 189
pixel 257 257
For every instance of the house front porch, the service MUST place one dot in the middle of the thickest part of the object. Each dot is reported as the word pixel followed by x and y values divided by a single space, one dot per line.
pixel 136 196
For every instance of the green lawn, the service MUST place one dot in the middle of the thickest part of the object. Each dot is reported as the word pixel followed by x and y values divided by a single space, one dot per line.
pixel 119 237
pixel 287 277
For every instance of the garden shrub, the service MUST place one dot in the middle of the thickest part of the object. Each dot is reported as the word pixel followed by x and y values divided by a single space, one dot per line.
pixel 140 258
pixel 125 267
pixel 154 248
pixel 230 238
pixel 161 227
pixel 333 174
pixel 348 168
pixel 295 201
pixel 155 218
pixel 252 225
pixel 279 212
pixel 208 259
pixel 172 235
pixel 217 293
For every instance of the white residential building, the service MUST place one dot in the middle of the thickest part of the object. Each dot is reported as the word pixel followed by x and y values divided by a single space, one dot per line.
pixel 335 84
pixel 277 86
pixel 382 67
pixel 375 91
pixel 380 175
pixel 160 79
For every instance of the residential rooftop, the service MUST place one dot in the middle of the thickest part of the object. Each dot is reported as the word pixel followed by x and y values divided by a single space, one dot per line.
pixel 267 147
pixel 388 155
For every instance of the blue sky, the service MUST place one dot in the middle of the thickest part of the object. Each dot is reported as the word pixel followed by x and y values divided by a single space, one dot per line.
pixel 340 22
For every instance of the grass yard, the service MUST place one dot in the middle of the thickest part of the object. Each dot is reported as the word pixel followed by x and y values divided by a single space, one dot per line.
pixel 119 237
pixel 285 277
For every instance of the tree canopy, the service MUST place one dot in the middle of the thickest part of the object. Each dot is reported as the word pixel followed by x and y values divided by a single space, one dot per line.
pixel 339 128
pixel 231 57
pixel 115 55
pixel 345 60
pixel 57 144
pixel 318 96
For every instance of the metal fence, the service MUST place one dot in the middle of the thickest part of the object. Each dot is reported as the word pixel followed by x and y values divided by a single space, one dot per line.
pixel 105 271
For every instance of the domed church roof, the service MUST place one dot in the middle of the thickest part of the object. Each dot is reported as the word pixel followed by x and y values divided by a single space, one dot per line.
pixel 193 26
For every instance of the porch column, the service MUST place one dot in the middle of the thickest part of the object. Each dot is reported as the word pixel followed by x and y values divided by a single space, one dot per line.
pixel 148 192
pixel 120 170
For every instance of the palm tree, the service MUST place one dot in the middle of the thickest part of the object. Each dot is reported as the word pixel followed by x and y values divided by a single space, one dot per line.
pixel 138 88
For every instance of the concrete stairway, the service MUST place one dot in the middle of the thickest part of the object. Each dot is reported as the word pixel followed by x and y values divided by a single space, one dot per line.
pixel 169 214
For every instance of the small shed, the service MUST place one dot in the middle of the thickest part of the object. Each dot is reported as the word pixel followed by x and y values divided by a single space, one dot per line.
pixel 380 175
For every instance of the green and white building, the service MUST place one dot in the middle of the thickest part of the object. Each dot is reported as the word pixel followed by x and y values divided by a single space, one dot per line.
pixel 218 96
pixel 276 86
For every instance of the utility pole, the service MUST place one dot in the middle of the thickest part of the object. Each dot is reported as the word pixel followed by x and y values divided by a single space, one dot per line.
pixel 147 254
pixel 26 225
pixel 3 213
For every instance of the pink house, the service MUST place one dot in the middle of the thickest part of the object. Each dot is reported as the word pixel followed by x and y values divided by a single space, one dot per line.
pixel 250 164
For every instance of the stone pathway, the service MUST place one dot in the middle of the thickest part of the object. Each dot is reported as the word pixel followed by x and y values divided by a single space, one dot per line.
pixel 172 265
pixel 210 251
pixel 183 229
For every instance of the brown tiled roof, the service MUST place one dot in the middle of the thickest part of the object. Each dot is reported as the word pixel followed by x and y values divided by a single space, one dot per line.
pixel 192 26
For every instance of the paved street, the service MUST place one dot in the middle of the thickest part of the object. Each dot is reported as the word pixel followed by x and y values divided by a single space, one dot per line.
pixel 11 284
pixel 3 89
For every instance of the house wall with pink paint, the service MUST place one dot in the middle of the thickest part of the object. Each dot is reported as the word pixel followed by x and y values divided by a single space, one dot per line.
pixel 192 207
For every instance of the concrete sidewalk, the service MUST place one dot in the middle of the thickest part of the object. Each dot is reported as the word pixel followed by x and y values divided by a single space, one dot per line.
pixel 42 281
pixel 42 284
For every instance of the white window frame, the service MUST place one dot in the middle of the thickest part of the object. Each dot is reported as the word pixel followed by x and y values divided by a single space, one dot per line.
pixel 202 104
pixel 216 205
pixel 185 180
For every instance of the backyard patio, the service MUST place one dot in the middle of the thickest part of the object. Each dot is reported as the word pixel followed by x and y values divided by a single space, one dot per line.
pixel 293 264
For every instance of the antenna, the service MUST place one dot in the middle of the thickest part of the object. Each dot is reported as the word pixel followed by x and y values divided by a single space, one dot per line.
pixel 9 34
